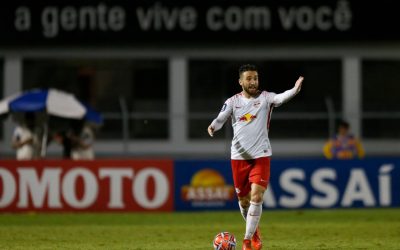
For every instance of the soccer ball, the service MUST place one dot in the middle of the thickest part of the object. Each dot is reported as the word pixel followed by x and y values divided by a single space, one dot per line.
pixel 224 241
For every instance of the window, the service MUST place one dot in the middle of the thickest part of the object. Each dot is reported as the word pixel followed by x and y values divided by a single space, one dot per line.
pixel 380 105
pixel 212 82
pixel 111 86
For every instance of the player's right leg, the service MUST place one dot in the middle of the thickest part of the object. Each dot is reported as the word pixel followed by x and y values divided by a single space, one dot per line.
pixel 240 173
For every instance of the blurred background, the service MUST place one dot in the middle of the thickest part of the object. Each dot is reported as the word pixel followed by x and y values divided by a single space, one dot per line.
pixel 159 72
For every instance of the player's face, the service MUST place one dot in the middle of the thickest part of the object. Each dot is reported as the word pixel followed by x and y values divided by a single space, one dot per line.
pixel 249 82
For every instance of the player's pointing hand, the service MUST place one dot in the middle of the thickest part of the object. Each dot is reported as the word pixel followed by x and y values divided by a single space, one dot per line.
pixel 210 130
pixel 298 84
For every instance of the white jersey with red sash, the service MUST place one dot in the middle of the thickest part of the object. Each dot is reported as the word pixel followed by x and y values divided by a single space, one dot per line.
pixel 250 122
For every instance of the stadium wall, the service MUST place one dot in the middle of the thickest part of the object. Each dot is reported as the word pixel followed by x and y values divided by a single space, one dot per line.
pixel 182 185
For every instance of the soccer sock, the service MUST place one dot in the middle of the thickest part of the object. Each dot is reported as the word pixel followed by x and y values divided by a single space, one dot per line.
pixel 243 211
pixel 253 218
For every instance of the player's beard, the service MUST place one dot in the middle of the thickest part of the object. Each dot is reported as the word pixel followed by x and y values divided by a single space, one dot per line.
pixel 252 90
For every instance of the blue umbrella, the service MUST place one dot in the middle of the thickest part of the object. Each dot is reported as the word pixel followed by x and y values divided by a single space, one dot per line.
pixel 92 115
pixel 52 102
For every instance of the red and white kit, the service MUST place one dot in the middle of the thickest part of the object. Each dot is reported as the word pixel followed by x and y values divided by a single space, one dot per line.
pixel 250 149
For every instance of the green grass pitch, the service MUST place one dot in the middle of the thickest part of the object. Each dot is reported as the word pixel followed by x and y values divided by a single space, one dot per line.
pixel 294 229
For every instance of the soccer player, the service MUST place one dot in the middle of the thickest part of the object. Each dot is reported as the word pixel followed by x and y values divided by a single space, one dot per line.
pixel 250 111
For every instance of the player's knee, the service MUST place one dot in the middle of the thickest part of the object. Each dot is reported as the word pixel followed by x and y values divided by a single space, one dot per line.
pixel 244 203
pixel 257 197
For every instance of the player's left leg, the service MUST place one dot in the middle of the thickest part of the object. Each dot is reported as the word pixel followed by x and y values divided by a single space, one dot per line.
pixel 259 178
pixel 244 204
pixel 254 216
pixel 255 210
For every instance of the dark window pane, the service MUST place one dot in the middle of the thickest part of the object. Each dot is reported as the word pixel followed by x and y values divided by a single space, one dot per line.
pixel 381 128
pixel 212 82
pixel 140 86
pixel 112 129
pixel 380 91
pixel 199 129
pixel 381 85
pixel 298 128
pixel 149 129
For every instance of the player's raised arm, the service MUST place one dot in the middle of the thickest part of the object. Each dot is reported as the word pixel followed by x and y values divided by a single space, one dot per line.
pixel 222 117
pixel 288 94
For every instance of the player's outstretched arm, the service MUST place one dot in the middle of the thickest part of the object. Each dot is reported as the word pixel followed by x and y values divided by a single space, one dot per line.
pixel 288 94
pixel 223 115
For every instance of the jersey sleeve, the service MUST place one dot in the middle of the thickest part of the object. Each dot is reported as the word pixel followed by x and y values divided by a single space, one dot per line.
pixel 269 96
pixel 281 98
pixel 224 114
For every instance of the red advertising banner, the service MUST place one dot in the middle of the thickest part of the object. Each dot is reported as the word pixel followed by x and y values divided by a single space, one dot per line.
pixel 101 185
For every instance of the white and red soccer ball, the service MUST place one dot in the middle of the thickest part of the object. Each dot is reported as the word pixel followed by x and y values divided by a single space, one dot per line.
pixel 224 241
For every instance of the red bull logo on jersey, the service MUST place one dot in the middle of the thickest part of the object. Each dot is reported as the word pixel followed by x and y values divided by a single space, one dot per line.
pixel 247 117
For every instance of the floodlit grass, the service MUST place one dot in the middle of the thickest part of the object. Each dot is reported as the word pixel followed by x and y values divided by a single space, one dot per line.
pixel 303 229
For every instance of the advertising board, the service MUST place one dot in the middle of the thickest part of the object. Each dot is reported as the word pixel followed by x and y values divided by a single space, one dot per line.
pixel 102 185
pixel 294 184
pixel 180 185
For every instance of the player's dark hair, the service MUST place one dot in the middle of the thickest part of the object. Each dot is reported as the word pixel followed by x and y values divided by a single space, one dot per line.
pixel 247 67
